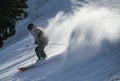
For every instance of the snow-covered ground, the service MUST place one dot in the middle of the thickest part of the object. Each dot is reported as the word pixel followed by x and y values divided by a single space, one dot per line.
pixel 84 35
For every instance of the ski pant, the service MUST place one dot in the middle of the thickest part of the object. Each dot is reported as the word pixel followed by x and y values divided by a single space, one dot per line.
pixel 40 52
pixel 42 42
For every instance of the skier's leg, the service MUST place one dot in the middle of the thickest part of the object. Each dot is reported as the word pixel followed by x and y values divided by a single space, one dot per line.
pixel 41 45
pixel 40 52
pixel 37 52
pixel 43 54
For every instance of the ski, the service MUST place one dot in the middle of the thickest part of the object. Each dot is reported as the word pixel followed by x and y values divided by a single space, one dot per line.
pixel 32 65
pixel 39 63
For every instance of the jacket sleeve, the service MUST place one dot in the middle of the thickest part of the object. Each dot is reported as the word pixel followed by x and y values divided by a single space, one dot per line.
pixel 34 33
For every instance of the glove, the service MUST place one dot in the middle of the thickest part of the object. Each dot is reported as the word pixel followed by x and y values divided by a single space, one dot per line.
pixel 36 42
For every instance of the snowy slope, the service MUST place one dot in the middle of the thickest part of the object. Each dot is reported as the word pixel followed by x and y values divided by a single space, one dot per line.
pixel 86 33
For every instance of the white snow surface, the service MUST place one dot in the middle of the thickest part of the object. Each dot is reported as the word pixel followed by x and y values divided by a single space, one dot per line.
pixel 84 35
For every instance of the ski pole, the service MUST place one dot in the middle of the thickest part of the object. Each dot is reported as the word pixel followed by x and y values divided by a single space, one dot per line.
pixel 56 44
pixel 30 45
pixel 48 44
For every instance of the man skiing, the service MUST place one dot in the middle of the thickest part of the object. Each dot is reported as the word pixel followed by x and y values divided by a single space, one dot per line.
pixel 41 40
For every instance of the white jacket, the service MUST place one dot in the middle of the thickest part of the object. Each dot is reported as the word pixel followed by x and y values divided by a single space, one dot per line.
pixel 35 31
pixel 39 35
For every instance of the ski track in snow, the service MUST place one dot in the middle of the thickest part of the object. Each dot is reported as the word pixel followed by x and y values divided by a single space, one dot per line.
pixel 84 32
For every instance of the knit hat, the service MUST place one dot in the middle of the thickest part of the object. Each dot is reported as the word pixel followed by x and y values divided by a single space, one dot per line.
pixel 30 26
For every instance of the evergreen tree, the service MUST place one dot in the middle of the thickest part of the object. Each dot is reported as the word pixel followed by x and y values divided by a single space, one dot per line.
pixel 10 12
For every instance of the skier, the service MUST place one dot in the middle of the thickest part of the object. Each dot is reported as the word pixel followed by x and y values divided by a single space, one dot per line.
pixel 41 40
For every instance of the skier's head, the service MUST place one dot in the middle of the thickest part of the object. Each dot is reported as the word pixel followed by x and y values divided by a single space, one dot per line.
pixel 30 26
